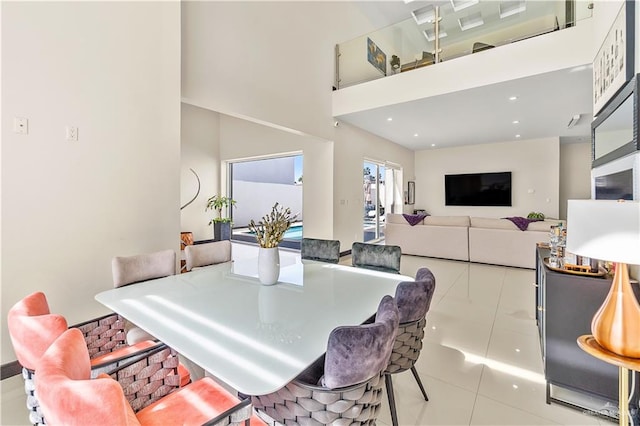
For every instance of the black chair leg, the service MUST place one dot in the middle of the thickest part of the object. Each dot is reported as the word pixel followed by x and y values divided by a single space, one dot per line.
pixel 415 374
pixel 392 400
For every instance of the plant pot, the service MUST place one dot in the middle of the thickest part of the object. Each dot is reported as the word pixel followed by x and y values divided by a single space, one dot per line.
pixel 221 231
pixel 268 265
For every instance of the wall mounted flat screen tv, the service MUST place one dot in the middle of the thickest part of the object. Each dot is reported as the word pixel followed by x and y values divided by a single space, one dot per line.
pixel 478 189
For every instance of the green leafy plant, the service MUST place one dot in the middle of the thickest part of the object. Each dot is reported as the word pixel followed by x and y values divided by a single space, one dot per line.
pixel 535 215
pixel 271 228
pixel 217 203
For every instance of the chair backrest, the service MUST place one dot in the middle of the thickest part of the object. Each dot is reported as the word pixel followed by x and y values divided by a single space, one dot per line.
pixel 377 257
pixel 67 394
pixel 33 328
pixel 143 267
pixel 357 353
pixel 414 297
pixel 321 250
pixel 207 254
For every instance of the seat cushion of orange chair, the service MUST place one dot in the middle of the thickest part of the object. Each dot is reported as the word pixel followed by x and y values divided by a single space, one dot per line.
pixel 194 404
pixel 123 352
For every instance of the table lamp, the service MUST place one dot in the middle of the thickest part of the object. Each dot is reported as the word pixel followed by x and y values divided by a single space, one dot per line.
pixel 610 230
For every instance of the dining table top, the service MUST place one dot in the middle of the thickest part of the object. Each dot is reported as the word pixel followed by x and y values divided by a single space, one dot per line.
pixel 255 338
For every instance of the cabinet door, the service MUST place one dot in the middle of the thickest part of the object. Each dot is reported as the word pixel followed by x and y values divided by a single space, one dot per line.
pixel 570 303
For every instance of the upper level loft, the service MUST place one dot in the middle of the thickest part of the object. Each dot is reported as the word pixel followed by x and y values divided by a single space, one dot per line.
pixel 459 61
pixel 440 31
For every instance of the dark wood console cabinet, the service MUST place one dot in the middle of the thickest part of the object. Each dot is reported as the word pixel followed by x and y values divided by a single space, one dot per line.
pixel 565 305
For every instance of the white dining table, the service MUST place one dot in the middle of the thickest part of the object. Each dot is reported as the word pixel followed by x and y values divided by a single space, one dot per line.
pixel 253 337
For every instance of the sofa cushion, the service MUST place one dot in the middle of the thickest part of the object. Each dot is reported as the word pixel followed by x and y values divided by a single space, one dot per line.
pixel 447 220
pixel 396 218
pixel 492 223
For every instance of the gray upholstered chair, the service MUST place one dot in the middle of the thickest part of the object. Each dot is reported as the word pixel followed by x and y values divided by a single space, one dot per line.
pixel 376 257
pixel 321 250
pixel 199 255
pixel 413 299
pixel 344 386
pixel 143 267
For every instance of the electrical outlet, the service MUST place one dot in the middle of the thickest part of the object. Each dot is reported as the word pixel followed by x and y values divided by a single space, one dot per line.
pixel 72 133
pixel 21 125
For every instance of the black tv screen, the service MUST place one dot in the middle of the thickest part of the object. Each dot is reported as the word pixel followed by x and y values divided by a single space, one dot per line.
pixel 478 189
pixel 616 186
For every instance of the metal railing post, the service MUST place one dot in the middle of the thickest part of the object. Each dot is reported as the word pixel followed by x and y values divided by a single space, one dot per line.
pixel 436 24
pixel 336 79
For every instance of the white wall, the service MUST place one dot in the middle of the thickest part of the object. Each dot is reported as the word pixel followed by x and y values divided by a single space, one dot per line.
pixel 534 165
pixel 200 151
pixel 113 70
pixel 351 148
pixel 575 173
pixel 241 139
pixel 271 61
pixel 255 200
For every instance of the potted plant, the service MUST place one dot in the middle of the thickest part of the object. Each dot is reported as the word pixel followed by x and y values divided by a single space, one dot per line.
pixel 269 233
pixel 221 225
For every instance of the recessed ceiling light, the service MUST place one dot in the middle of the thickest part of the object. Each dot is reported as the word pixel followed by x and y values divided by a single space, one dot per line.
pixel 424 15
pixel 517 136
pixel 515 386
pixel 472 21
pixel 510 8
pixel 433 144
pixel 415 135
pixel 390 119
pixel 513 98
pixel 515 122
pixel 458 5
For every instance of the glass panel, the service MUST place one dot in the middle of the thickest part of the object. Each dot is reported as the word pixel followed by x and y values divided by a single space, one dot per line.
pixel 467 26
pixel 370 191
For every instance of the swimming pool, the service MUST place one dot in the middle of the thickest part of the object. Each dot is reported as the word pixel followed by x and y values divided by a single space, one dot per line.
pixel 293 233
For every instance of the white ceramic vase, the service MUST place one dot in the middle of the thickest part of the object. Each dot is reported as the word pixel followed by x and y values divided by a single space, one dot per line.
pixel 268 265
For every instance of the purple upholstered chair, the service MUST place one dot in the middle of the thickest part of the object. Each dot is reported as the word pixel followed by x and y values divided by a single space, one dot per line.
pixel 413 299
pixel 344 386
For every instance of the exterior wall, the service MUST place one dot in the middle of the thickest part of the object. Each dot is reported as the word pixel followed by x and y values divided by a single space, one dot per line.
pixel 113 70
pixel 274 170
pixel 534 165
pixel 255 199
pixel 575 173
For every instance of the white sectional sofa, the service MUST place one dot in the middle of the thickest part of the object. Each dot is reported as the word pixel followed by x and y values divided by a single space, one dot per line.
pixel 475 239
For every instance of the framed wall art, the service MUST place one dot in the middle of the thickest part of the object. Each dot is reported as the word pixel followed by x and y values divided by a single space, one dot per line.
pixel 376 57
pixel 411 192
pixel 613 65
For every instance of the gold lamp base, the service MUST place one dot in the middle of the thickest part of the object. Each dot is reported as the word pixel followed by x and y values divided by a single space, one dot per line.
pixel 616 325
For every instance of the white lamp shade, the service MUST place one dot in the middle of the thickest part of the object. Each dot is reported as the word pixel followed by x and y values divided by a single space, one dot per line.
pixel 604 229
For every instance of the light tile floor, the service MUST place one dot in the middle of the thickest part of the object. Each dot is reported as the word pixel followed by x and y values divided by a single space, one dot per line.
pixel 481 361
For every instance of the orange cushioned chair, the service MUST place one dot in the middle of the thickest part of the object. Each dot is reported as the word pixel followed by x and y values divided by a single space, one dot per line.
pixel 70 397
pixel 33 329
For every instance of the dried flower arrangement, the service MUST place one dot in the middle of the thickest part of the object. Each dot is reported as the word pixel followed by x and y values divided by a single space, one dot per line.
pixel 270 230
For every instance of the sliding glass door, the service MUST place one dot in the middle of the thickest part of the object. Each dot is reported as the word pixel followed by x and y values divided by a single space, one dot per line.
pixel 382 193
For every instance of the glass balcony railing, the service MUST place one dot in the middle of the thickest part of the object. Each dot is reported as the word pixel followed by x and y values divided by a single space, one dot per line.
pixel 443 31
